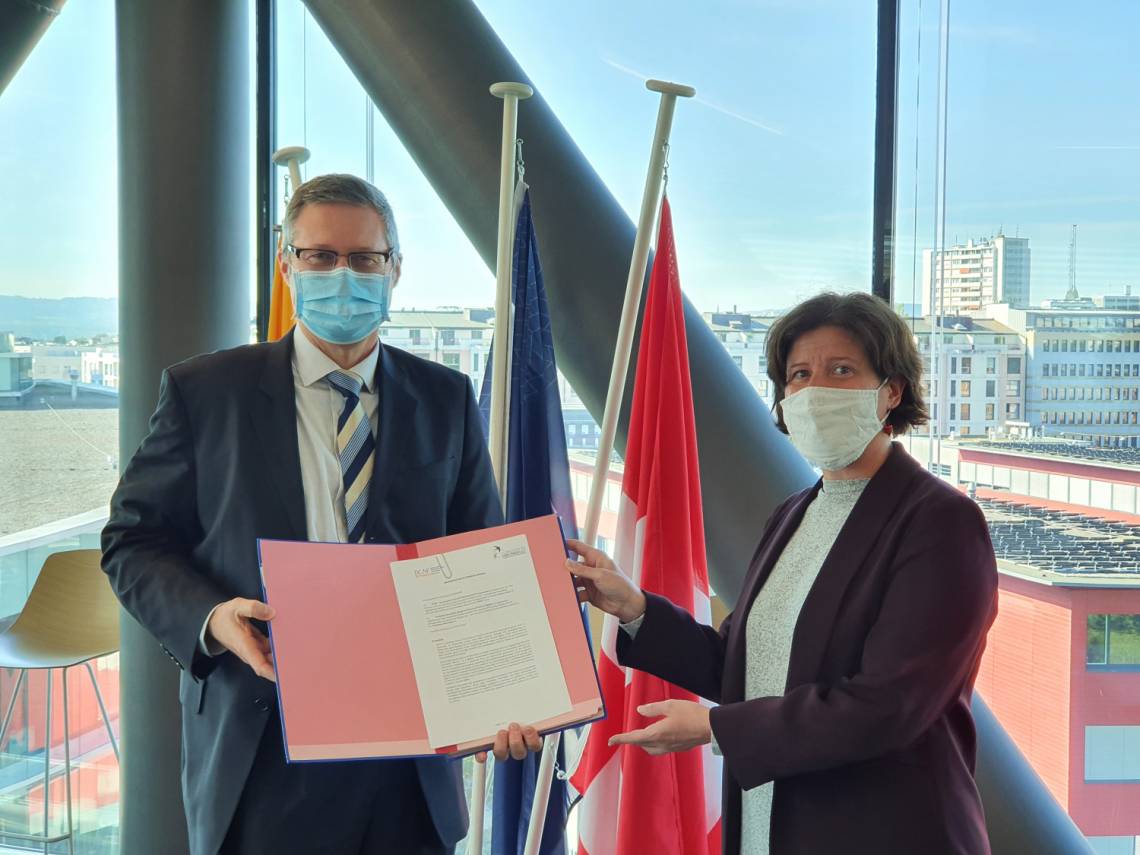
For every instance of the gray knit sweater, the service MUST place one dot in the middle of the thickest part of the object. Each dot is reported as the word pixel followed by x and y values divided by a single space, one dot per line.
pixel 772 620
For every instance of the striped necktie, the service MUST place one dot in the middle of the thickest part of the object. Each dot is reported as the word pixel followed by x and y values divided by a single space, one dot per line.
pixel 356 449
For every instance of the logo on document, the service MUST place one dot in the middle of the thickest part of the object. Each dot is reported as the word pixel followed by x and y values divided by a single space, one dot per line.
pixel 504 554
pixel 440 567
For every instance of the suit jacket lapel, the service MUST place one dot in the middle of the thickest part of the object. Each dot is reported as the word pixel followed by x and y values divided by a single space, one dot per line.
pixel 394 428
pixel 275 421
pixel 868 518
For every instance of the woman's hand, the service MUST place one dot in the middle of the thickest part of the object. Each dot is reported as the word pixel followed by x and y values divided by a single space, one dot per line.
pixel 603 585
pixel 683 725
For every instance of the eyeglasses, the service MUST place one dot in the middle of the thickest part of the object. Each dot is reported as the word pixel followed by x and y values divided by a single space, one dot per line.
pixel 379 261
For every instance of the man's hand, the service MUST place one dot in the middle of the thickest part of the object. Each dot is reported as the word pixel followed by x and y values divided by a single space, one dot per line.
pixel 230 627
pixel 514 742
pixel 603 585
pixel 685 725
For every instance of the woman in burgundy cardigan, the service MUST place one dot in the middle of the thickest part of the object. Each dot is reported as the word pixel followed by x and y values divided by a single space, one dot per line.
pixel 845 674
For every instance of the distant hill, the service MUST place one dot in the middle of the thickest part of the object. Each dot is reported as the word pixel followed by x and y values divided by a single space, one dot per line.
pixel 72 317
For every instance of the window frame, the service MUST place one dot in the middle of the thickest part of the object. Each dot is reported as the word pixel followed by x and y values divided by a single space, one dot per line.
pixel 1106 665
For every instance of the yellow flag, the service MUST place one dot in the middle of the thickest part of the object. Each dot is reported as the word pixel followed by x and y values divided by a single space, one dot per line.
pixel 280 303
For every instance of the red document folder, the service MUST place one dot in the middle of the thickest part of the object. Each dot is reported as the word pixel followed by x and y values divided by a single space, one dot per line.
pixel 345 682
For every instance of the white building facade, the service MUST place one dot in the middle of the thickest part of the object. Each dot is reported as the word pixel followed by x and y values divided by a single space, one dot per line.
pixel 976 386
pixel 991 270
pixel 457 338
pixel 745 337
pixel 92 365
pixel 1083 372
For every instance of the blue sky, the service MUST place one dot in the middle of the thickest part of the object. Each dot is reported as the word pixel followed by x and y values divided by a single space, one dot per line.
pixel 770 165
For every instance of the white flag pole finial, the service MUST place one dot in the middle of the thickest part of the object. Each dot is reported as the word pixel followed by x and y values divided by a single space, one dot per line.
pixel 292 157
pixel 654 181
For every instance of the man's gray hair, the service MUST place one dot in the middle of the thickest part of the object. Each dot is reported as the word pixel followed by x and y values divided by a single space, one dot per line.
pixel 340 189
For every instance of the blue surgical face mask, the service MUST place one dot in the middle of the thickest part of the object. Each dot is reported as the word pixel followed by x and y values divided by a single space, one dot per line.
pixel 341 305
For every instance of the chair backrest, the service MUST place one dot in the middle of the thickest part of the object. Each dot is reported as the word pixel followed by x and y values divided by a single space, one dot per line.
pixel 71 606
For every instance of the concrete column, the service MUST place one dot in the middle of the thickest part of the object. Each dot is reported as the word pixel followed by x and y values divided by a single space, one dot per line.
pixel 184 286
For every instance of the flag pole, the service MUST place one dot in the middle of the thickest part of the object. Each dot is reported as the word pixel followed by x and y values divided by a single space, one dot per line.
pixel 649 206
pixel 650 202
pixel 511 93
pixel 281 308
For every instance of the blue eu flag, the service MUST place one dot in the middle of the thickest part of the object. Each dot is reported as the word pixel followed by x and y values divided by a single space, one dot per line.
pixel 538 482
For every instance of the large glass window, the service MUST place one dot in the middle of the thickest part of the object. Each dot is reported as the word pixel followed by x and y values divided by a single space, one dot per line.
pixel 321 106
pixel 771 201
pixel 59 396
pixel 1017 216
pixel 770 166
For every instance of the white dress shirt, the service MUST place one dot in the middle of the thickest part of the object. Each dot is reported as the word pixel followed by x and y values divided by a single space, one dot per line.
pixel 318 408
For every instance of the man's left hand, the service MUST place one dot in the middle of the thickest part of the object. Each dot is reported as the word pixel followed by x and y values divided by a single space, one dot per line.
pixel 683 725
pixel 513 743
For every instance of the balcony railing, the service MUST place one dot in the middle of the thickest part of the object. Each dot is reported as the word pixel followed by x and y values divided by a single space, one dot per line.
pixel 94 769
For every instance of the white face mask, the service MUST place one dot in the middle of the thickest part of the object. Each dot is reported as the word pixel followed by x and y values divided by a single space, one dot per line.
pixel 832 427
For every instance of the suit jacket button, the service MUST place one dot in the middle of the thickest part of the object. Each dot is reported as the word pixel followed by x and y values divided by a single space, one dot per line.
pixel 261 704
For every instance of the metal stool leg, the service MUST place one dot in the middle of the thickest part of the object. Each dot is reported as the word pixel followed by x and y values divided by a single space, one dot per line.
pixel 67 767
pixel 12 705
pixel 47 759
pixel 103 710
pixel 44 838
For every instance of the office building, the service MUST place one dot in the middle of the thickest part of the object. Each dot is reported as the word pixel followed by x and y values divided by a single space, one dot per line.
pixel 1062 664
pixel 975 386
pixel 745 336
pixel 15 369
pixel 976 274
pixel 1082 371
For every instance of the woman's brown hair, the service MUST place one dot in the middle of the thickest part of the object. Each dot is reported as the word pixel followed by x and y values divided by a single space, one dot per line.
pixel 883 335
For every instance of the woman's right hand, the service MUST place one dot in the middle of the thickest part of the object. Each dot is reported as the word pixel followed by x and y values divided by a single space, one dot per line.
pixel 603 585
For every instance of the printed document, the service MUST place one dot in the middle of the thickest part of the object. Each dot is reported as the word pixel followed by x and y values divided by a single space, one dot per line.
pixel 481 644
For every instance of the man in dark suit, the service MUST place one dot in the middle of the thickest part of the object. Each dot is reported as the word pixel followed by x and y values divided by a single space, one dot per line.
pixel 324 435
